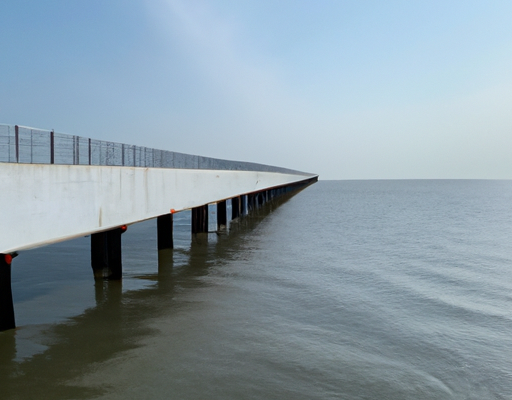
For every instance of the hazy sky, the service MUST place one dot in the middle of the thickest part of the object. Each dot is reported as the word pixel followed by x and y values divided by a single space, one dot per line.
pixel 343 88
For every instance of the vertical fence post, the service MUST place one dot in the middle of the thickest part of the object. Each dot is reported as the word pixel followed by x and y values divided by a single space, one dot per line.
pixel 17 142
pixel 90 152
pixel 77 149
pixel 73 149
pixel 31 146
pixel 52 147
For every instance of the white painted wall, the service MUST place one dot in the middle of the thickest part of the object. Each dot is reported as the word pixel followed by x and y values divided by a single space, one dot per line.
pixel 42 204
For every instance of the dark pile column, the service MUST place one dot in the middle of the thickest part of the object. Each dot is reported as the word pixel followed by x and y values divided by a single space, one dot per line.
pixel 250 201
pixel 6 305
pixel 261 199
pixel 243 204
pixel 235 207
pixel 200 219
pixel 106 254
pixel 165 232
pixel 222 215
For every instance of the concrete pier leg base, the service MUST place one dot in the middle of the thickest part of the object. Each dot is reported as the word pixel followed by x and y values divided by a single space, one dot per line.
pixel 200 219
pixel 6 305
pixel 106 254
pixel 164 225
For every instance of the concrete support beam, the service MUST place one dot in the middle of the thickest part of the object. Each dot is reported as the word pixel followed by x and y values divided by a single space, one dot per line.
pixel 200 219
pixel 6 305
pixel 106 254
pixel 222 216
pixel 164 224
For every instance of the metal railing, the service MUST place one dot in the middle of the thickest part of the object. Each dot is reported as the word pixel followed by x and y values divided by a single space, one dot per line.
pixel 20 144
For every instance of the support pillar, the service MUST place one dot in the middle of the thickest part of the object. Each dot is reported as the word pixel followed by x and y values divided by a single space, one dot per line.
pixel 261 198
pixel 106 254
pixel 222 215
pixel 164 228
pixel 251 201
pixel 6 305
pixel 235 207
pixel 243 204
pixel 200 219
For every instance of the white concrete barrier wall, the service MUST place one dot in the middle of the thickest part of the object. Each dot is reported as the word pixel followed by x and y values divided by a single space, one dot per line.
pixel 42 204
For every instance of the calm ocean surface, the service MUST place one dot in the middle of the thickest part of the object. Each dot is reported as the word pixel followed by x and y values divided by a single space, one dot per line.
pixel 347 290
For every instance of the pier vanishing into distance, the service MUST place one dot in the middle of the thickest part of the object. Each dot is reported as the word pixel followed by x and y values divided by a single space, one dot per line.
pixel 57 187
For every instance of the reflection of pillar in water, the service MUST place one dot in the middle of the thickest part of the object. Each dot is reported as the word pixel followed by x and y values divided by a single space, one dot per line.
pixel 106 291
pixel 8 352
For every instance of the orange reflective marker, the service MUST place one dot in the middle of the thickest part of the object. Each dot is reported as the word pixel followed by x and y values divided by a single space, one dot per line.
pixel 173 210
pixel 123 228
pixel 8 259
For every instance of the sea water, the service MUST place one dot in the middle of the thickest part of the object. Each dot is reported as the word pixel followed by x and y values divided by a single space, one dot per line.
pixel 347 290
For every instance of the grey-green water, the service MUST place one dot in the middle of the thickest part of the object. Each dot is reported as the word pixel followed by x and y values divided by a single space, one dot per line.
pixel 348 290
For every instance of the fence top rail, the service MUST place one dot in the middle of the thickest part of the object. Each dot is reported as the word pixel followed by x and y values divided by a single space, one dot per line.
pixel 22 144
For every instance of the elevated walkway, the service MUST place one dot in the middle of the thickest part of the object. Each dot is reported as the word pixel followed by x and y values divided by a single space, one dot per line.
pixel 56 187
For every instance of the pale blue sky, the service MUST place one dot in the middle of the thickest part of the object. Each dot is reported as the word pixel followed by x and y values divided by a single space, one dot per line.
pixel 345 89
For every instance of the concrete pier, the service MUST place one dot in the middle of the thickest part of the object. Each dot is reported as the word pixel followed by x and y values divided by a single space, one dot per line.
pixel 106 260
pixel 57 187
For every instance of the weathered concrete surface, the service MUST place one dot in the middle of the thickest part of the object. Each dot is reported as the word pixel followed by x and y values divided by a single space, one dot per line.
pixel 42 204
